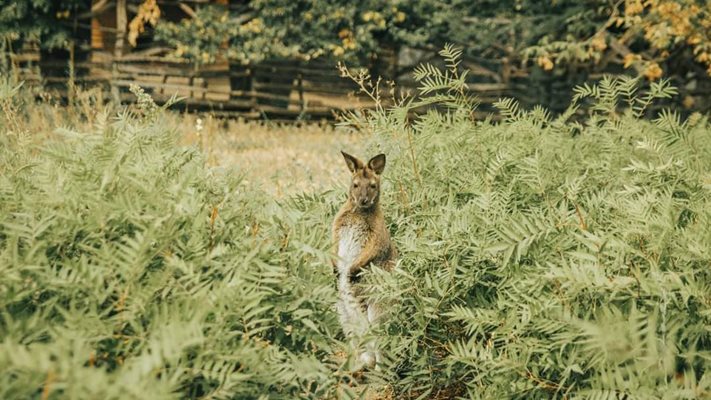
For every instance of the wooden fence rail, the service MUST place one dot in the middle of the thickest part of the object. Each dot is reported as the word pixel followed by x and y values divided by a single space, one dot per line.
pixel 277 88
pixel 273 87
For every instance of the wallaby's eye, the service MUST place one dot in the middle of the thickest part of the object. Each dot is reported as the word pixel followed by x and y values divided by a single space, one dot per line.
pixel 355 184
pixel 372 186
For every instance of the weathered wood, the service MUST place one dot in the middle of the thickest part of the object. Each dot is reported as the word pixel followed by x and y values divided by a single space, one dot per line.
pixel 121 25
pixel 288 88
pixel 300 88
pixel 166 88
pixel 24 57
pixel 492 87
pixel 78 80
pixel 188 10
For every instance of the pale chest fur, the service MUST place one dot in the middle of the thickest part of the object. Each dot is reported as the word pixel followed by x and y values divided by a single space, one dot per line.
pixel 351 239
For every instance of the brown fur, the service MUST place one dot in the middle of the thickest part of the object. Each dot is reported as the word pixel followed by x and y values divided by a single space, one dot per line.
pixel 361 239
pixel 365 186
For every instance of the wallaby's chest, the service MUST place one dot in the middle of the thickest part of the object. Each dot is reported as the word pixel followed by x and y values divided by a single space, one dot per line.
pixel 351 240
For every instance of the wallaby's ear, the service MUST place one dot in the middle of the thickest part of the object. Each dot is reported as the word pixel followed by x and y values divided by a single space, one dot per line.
pixel 353 163
pixel 377 163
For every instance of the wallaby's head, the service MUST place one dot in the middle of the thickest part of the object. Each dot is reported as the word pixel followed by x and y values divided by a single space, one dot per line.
pixel 365 180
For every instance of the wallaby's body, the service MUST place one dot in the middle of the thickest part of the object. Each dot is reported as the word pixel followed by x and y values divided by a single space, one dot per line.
pixel 361 237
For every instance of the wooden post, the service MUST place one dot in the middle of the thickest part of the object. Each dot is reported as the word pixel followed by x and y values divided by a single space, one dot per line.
pixel 71 83
pixel 191 82
pixel 121 23
pixel 97 34
pixel 252 92
pixel 505 70
pixel 300 83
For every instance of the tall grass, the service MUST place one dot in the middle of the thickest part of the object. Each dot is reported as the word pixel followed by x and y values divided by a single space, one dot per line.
pixel 541 257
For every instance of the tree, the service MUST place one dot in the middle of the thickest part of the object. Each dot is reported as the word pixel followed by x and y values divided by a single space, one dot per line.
pixel 643 33
pixel 300 29
pixel 639 33
pixel 49 23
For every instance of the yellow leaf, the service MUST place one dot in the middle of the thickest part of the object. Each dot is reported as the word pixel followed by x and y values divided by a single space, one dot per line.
pixel 688 102
pixel 148 12
pixel 598 43
pixel 633 7
pixel 344 33
pixel 694 39
pixel 349 43
pixel 545 63
pixel 629 59
pixel 653 71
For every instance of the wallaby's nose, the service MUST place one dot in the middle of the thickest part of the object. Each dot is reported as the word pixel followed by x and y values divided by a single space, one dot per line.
pixel 363 202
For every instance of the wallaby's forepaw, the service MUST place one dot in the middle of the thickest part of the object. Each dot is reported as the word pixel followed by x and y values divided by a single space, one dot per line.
pixel 368 359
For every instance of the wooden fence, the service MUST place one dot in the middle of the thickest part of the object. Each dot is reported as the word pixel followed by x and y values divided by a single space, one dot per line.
pixel 277 88
pixel 280 89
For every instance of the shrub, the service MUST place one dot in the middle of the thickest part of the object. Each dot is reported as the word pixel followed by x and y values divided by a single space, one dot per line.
pixel 132 270
pixel 541 257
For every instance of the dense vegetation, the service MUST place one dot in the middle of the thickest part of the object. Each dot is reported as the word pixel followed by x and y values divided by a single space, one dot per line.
pixel 565 32
pixel 555 32
pixel 46 21
pixel 540 258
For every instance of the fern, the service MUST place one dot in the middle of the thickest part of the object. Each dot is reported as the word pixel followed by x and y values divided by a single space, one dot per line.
pixel 448 88
pixel 540 257
pixel 452 57
pixel 568 250
pixel 509 109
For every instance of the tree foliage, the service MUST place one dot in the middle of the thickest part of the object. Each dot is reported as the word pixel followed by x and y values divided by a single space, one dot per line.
pixel 541 258
pixel 643 33
pixel 638 33
pixel 47 22
pixel 302 29
pixel 359 30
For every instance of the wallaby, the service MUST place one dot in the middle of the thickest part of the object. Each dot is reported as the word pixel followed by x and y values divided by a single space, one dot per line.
pixel 362 238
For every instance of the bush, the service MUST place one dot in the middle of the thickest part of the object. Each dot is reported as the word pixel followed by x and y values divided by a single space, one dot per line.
pixel 132 270
pixel 541 257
